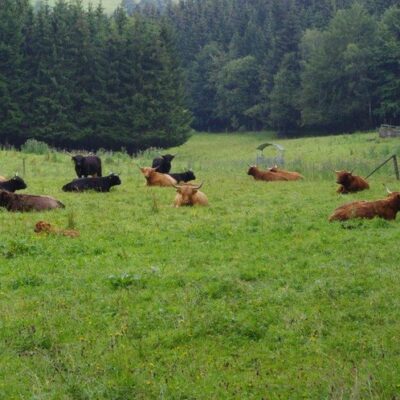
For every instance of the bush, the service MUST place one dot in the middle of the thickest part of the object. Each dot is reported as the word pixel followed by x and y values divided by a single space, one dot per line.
pixel 35 146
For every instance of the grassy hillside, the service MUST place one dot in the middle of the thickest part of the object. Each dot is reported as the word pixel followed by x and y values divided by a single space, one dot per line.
pixel 256 296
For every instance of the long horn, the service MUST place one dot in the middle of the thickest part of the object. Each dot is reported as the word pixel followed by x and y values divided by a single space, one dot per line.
pixel 198 186
pixel 387 189
pixel 176 186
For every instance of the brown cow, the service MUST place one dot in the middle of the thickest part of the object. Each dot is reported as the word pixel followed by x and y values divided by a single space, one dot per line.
pixel 28 202
pixel 290 175
pixel 46 228
pixel 384 208
pixel 189 195
pixel 260 175
pixel 154 178
pixel 350 183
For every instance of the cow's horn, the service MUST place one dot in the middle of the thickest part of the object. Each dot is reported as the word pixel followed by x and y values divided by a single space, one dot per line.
pixel 176 186
pixel 387 189
pixel 198 186
pixel 16 174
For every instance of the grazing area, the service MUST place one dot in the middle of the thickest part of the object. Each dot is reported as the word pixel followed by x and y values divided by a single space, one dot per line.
pixel 256 296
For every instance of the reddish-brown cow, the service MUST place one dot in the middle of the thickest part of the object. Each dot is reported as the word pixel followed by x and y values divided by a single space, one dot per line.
pixel 350 183
pixel 268 175
pixel 154 178
pixel 384 208
pixel 189 195
pixel 290 175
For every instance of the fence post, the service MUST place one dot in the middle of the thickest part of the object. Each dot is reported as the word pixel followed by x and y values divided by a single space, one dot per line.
pixel 396 167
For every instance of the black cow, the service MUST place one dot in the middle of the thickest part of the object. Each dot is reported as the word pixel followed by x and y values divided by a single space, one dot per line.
pixel 101 184
pixel 163 163
pixel 13 184
pixel 87 165
pixel 183 176
pixel 28 202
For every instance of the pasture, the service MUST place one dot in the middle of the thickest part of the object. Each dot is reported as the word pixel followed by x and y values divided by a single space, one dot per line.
pixel 255 297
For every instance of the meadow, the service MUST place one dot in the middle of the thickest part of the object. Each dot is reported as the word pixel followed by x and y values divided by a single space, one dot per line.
pixel 255 297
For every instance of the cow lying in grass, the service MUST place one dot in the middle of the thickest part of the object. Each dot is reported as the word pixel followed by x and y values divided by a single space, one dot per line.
pixel 290 175
pixel 103 184
pixel 189 195
pixel 13 184
pixel 384 208
pixel 28 202
pixel 44 227
pixel 183 176
pixel 154 178
pixel 350 183
pixel 260 175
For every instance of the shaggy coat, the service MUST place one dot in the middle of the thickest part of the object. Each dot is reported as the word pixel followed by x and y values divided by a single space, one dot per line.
pixel 102 184
pixel 163 163
pixel 290 175
pixel 154 178
pixel 13 184
pixel 189 195
pixel 183 176
pixel 85 166
pixel 268 175
pixel 28 202
pixel 350 183
pixel 385 208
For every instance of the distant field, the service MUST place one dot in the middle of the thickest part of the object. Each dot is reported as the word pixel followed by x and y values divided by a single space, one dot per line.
pixel 255 297
pixel 109 5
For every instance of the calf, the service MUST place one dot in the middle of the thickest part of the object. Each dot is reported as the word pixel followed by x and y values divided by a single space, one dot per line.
pixel 28 202
pixel 13 184
pixel 154 178
pixel 183 176
pixel 384 208
pixel 350 183
pixel 290 175
pixel 260 175
pixel 101 184
pixel 189 195
pixel 163 163
pixel 87 165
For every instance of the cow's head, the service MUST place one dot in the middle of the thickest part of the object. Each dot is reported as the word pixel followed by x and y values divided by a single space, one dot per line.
pixel 394 196
pixel 190 175
pixel 114 179
pixel 78 160
pixel 168 157
pixel 252 170
pixel 186 192
pixel 18 183
pixel 343 177
pixel 147 171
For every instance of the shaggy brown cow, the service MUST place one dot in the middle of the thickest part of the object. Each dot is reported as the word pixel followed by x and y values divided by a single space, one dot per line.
pixel 260 175
pixel 350 183
pixel 384 208
pixel 290 175
pixel 28 202
pixel 44 227
pixel 189 195
pixel 154 178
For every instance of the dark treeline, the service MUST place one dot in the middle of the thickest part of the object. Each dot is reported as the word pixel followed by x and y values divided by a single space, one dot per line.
pixel 293 65
pixel 74 77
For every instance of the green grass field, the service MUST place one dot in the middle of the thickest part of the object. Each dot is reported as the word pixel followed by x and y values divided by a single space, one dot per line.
pixel 255 297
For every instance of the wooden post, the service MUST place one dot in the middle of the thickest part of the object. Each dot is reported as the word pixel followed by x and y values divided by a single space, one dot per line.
pixel 396 167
